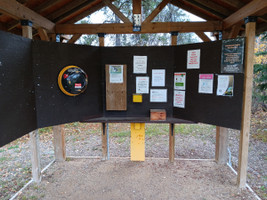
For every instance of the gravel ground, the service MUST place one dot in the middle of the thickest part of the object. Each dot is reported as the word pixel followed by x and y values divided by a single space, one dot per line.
pixel 192 141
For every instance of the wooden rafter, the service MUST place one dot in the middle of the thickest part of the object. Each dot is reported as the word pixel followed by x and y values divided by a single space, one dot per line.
pixel 137 7
pixel 116 11
pixel 235 30
pixel 19 11
pixel 74 38
pixel 203 36
pixel 43 34
pixel 155 27
pixel 156 11
pixel 248 10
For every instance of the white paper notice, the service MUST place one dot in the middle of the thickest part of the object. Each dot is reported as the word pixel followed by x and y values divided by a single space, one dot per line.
pixel 205 84
pixel 158 95
pixel 142 85
pixel 158 77
pixel 116 73
pixel 225 85
pixel 193 59
pixel 179 99
pixel 179 80
pixel 139 64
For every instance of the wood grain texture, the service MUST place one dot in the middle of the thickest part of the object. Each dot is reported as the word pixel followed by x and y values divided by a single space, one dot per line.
pixel 116 93
pixel 35 156
pixel 59 143
pixel 221 152
pixel 171 142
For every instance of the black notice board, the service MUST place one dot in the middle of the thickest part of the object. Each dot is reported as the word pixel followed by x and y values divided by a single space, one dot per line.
pixel 208 108
pixel 17 102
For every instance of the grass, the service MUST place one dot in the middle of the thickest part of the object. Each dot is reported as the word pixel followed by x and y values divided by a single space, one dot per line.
pixel 261 135
pixel 13 147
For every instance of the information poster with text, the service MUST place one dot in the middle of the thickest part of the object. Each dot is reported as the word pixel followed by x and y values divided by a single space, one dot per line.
pixel 179 99
pixel 205 84
pixel 193 59
pixel 179 80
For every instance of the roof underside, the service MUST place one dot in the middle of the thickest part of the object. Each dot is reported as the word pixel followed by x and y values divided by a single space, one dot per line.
pixel 228 13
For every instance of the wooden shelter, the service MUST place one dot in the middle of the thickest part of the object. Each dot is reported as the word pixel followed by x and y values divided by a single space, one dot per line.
pixel 45 19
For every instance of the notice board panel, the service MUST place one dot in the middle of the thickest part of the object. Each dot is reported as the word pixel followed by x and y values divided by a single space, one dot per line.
pixel 17 105
pixel 54 107
pixel 157 58
pixel 208 108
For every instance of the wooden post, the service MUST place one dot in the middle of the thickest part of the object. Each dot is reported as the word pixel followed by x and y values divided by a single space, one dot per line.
pixel 101 37
pixel 137 141
pixel 247 98
pixel 221 145
pixel 35 156
pixel 174 38
pixel 105 146
pixel 59 143
pixel 171 142
pixel 34 136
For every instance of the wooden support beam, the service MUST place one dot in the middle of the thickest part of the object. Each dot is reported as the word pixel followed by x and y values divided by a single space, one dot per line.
pixel 19 11
pixel 235 30
pixel 246 109
pixel 74 38
pixel 59 143
pixel 116 11
pixel 105 137
pixel 155 27
pixel 156 11
pixel 101 38
pixel 171 142
pixel 221 146
pixel 203 36
pixel 27 31
pixel 137 141
pixel 43 34
pixel 137 7
pixel 174 38
pixel 35 156
pixel 249 9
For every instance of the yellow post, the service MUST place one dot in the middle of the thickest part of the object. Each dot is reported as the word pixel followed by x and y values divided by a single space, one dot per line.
pixel 137 141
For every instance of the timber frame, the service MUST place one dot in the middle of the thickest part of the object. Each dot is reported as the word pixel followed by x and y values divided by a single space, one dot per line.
pixel 52 17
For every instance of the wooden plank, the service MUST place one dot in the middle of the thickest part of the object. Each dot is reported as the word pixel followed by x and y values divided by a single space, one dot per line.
pixel 27 31
pixel 19 11
pixel 235 30
pixel 116 11
pixel 174 39
pixel 137 141
pixel 203 36
pixel 246 109
pixel 74 38
pixel 158 115
pixel 35 156
pixel 116 93
pixel 137 7
pixel 59 143
pixel 105 136
pixel 43 34
pixel 156 11
pixel 171 142
pixel 101 41
pixel 247 10
pixel 155 27
pixel 221 146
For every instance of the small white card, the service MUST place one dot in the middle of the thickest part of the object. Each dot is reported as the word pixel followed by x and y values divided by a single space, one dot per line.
pixel 205 84
pixel 142 84
pixel 179 99
pixel 158 95
pixel 158 77
pixel 139 64
pixel 193 59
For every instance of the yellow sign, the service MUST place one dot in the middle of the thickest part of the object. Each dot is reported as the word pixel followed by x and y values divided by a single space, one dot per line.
pixel 137 98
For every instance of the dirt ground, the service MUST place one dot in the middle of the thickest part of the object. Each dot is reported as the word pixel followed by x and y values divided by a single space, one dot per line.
pixel 195 141
pixel 122 179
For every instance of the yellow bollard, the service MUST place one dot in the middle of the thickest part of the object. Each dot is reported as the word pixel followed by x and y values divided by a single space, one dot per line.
pixel 137 141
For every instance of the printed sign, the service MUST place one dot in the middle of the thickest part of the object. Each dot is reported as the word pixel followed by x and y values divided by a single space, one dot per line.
pixel 116 73
pixel 158 95
pixel 179 80
pixel 193 59
pixel 205 84
pixel 225 85
pixel 158 77
pixel 142 85
pixel 139 64
pixel 179 99
pixel 232 55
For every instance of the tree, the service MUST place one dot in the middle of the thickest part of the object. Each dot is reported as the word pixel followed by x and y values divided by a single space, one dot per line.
pixel 260 72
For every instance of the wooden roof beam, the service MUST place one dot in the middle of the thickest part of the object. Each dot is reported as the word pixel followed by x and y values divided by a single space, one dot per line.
pixel 74 38
pixel 19 11
pixel 203 36
pixel 43 34
pixel 247 10
pixel 155 27
pixel 156 11
pixel 117 11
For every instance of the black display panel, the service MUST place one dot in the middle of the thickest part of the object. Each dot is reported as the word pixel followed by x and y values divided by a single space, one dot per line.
pixel 52 105
pixel 208 108
pixel 17 102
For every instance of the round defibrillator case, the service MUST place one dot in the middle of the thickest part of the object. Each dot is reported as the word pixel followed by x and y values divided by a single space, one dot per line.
pixel 72 80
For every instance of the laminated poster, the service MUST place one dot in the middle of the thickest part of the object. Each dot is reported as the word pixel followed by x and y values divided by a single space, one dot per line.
pixel 179 80
pixel 158 95
pixel 205 84
pixel 139 64
pixel 142 85
pixel 158 77
pixel 179 99
pixel 193 59
pixel 116 73
pixel 225 85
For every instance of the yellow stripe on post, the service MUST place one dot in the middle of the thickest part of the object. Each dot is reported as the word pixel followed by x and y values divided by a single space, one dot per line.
pixel 137 141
